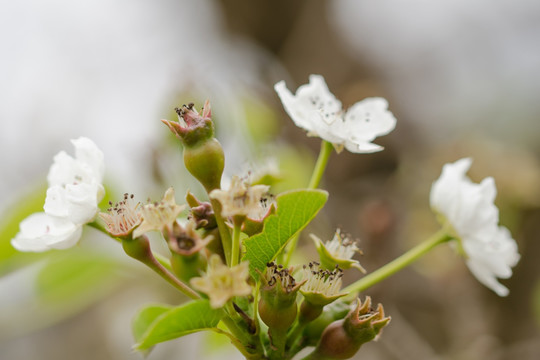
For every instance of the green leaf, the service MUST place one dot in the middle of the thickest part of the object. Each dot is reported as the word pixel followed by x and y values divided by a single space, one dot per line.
pixel 145 318
pixel 151 327
pixel 295 209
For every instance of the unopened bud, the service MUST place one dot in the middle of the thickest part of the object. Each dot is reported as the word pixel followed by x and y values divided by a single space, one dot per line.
pixel 203 154
pixel 338 251
pixel 342 338
pixel 201 213
pixel 322 287
pixel 277 307
pixel 254 222
pixel 332 312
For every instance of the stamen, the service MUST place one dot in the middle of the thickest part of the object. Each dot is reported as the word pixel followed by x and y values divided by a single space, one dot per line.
pixel 123 217
pixel 322 281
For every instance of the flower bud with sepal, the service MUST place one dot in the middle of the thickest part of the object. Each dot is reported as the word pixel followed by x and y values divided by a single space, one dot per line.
pixel 254 222
pixel 186 246
pixel 322 287
pixel 338 251
pixel 342 338
pixel 203 154
pixel 332 312
pixel 201 213
pixel 241 199
pixel 159 215
pixel 222 283
pixel 277 306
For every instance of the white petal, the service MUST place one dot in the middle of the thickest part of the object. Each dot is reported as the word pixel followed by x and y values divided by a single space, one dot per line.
pixel 483 275
pixel 56 203
pixel 368 119
pixel 362 147
pixel 63 170
pixel 87 152
pixel 313 108
pixel 76 203
pixel 448 187
pixel 87 167
pixel 67 170
pixel 40 232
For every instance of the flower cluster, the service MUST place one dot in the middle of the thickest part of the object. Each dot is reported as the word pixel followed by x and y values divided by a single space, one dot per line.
pixel 73 195
pixel 473 218
pixel 232 254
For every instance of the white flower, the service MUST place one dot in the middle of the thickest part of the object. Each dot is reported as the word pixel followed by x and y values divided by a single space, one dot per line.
pixel 221 283
pixel 241 198
pixel 315 109
pixel 41 232
pixel 469 209
pixel 75 183
pixel 73 195
pixel 74 202
pixel 87 167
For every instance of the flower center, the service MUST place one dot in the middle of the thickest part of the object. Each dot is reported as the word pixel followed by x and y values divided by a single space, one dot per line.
pixel 276 272
pixel 123 216
pixel 322 281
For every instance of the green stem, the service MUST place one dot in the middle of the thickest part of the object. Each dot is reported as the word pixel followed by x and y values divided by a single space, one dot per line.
pixel 139 249
pixel 250 342
pixel 294 337
pixel 277 349
pixel 166 263
pixel 237 343
pixel 235 248
pixel 399 263
pixel 316 176
pixel 256 307
pixel 224 233
pixel 320 166
pixel 169 277
pixel 162 259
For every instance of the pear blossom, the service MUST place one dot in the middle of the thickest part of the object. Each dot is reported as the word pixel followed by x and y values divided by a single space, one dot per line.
pixel 159 215
pixel 184 240
pixel 315 109
pixel 73 195
pixel 340 250
pixel 75 187
pixel 321 286
pixel 122 217
pixel 469 210
pixel 192 126
pixel 241 198
pixel 222 283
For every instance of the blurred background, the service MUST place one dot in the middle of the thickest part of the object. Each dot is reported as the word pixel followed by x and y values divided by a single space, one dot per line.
pixel 461 77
